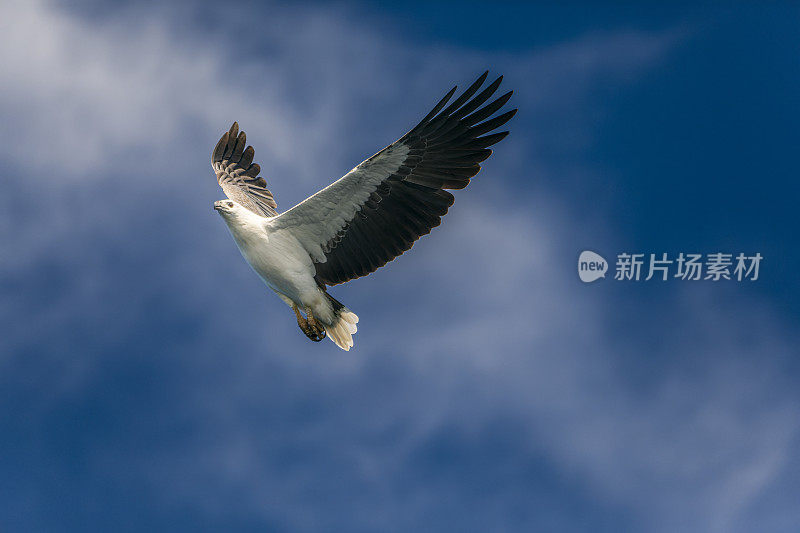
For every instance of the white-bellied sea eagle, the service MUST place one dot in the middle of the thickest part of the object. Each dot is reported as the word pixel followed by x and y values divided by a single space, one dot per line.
pixel 365 219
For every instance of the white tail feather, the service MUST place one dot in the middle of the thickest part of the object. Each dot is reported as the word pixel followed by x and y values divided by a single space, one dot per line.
pixel 342 330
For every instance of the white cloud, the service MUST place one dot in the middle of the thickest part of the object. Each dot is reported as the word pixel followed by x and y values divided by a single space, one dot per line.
pixel 114 100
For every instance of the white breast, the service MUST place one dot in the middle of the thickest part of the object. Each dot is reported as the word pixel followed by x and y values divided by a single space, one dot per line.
pixel 276 256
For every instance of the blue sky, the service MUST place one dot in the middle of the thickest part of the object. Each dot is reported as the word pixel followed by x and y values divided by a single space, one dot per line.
pixel 148 380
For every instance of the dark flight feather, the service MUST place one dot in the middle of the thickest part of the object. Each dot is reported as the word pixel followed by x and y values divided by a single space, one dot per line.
pixel 444 151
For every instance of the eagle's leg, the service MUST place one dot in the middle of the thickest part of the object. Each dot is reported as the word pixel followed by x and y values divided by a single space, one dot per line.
pixel 309 326
pixel 316 328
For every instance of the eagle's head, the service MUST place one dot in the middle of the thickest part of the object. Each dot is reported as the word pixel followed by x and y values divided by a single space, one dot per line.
pixel 227 208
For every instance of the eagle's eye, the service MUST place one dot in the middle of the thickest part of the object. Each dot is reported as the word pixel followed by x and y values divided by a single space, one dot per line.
pixel 230 205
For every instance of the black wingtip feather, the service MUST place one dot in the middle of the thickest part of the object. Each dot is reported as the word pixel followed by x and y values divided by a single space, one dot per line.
pixel 487 110
pixel 489 125
pixel 466 94
pixel 437 107
pixel 485 141
pixel 219 149
pixel 476 102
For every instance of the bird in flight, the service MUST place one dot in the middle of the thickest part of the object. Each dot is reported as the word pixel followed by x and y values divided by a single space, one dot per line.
pixel 362 221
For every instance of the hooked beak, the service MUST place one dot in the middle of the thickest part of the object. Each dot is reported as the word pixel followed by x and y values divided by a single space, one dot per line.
pixel 217 206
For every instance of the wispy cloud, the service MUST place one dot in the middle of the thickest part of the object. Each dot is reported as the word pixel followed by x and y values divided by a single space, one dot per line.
pixel 496 343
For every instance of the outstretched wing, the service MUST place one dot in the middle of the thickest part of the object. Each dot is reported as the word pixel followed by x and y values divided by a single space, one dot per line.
pixel 380 208
pixel 238 175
